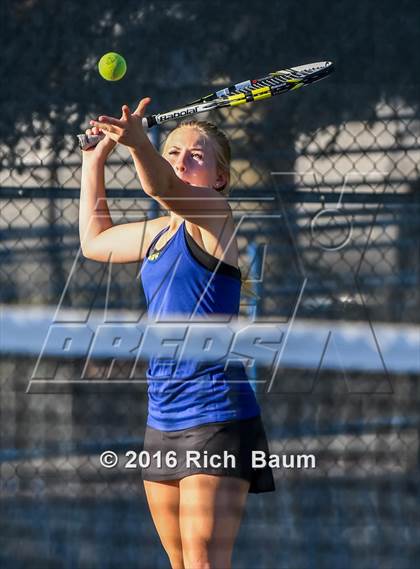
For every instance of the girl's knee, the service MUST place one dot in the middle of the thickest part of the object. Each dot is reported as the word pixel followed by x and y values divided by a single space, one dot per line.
pixel 206 557
pixel 197 562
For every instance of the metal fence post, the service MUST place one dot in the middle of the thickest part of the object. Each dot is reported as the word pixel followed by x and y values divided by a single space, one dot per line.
pixel 254 254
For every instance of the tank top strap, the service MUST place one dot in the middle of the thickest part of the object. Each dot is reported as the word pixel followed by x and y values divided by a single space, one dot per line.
pixel 156 239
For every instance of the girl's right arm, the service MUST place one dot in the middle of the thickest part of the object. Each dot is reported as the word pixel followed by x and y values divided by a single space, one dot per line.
pixel 100 239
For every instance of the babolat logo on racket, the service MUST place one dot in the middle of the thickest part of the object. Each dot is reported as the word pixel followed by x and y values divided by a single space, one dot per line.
pixel 178 114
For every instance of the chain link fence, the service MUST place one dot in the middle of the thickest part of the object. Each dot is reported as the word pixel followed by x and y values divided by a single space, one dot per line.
pixel 350 203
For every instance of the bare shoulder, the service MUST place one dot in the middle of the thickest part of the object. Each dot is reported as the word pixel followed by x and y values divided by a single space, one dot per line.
pixel 219 237
pixel 157 224
pixel 154 226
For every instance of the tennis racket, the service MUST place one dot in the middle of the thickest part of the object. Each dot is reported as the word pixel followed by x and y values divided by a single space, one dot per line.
pixel 246 92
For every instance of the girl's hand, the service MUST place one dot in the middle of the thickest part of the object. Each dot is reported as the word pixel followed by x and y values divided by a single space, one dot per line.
pixel 127 130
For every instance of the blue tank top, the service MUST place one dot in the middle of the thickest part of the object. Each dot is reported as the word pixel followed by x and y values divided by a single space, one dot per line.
pixel 180 285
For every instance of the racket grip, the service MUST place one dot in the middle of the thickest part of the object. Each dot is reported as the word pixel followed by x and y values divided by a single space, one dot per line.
pixel 87 141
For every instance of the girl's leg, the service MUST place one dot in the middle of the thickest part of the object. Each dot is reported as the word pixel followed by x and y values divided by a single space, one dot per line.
pixel 211 509
pixel 163 500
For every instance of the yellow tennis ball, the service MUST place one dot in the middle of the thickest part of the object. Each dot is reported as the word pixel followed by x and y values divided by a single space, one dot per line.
pixel 112 66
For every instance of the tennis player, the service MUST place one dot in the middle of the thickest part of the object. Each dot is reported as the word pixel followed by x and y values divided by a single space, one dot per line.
pixel 203 413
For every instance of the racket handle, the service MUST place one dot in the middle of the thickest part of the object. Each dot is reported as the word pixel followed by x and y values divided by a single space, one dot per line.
pixel 87 141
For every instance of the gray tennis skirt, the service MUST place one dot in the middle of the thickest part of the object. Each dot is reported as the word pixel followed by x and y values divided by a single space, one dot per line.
pixel 225 448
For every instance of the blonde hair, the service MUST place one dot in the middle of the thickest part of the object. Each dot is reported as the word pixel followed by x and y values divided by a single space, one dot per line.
pixel 223 154
pixel 220 144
